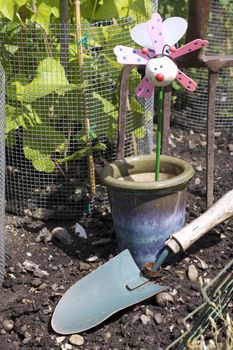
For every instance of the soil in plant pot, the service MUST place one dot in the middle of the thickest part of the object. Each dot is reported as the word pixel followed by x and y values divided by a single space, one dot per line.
pixel 28 298
pixel 146 177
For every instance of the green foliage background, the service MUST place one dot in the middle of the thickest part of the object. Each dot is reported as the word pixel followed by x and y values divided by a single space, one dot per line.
pixel 44 82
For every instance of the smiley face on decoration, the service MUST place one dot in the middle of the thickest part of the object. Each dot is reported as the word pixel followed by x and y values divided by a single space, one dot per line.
pixel 158 53
pixel 161 71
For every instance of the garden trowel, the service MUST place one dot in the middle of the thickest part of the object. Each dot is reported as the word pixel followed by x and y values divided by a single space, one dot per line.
pixel 120 283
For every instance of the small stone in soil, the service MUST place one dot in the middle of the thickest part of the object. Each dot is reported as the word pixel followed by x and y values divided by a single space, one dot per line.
pixel 43 286
pixel 59 340
pixel 197 181
pixel 44 236
pixel 62 235
pixel 145 319
pixel 30 265
pixel 192 273
pixel 36 282
pixel 106 336
pixel 199 168
pixel 149 312
pixel 40 273
pixel 158 318
pixel 84 266
pixel 163 298
pixel 8 325
pixel 27 338
pixel 76 339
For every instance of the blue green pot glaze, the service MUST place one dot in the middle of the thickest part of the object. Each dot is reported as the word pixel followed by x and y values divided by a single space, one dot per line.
pixel 145 214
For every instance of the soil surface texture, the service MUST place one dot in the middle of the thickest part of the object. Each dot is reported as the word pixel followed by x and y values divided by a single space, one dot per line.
pixel 43 261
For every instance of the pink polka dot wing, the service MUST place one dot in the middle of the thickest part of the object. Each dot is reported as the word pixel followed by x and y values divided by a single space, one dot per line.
pixel 158 53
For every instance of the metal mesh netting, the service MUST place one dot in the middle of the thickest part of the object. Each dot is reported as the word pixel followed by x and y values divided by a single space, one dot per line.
pixel 2 174
pixel 190 110
pixel 55 110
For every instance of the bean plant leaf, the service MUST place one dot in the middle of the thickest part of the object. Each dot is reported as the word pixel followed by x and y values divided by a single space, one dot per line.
pixel 140 133
pixel 42 16
pixel 50 77
pixel 109 112
pixel 141 9
pixel 83 152
pixel 12 49
pixel 40 161
pixel 112 9
pixel 7 8
pixel 39 143
pixel 25 118
pixel 108 9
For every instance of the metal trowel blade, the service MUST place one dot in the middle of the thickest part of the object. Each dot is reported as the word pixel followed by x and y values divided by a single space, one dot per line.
pixel 100 294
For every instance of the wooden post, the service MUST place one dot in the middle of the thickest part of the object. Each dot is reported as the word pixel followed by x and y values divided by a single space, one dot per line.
pixel 212 86
pixel 166 118
pixel 198 17
pixel 124 84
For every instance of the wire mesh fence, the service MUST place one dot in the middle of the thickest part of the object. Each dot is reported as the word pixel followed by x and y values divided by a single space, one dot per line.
pixel 217 295
pixel 62 111
pixel 2 174
pixel 190 110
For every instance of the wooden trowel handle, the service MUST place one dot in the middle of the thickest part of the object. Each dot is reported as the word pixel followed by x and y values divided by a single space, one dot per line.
pixel 185 237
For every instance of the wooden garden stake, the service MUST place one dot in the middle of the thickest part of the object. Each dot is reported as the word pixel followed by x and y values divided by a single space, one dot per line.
pixel 84 98
pixel 159 133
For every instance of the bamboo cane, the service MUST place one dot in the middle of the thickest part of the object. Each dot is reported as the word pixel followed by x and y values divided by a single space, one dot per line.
pixel 84 98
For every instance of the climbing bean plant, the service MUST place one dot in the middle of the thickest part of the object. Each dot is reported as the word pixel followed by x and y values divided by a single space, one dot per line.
pixel 47 82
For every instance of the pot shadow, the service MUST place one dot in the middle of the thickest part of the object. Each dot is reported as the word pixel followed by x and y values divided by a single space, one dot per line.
pixel 100 241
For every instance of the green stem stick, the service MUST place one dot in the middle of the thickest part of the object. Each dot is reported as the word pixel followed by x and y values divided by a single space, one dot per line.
pixel 159 133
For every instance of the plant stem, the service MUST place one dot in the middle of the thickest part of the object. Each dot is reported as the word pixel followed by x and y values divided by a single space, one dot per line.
pixel 159 133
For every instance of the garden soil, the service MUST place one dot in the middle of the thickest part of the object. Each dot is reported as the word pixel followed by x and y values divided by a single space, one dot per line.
pixel 41 266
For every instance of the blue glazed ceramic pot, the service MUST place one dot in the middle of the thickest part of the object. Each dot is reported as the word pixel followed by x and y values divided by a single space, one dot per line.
pixel 146 212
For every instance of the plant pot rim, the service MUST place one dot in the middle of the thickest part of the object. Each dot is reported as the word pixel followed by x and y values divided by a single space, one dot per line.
pixel 113 171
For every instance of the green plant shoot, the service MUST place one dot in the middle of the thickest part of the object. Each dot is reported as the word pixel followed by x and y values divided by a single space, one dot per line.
pixel 159 133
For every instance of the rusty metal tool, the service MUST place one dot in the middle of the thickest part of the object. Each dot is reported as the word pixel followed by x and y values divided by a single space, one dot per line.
pixel 119 283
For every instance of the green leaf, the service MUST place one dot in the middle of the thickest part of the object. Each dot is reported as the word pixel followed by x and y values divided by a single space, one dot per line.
pixel 20 118
pixel 141 10
pixel 112 9
pixel 108 112
pixel 7 8
pixel 11 48
pixel 20 2
pixel 12 123
pixel 87 7
pixel 83 152
pixel 140 132
pixel 39 143
pixel 42 16
pixel 76 155
pixel 108 107
pixel 54 4
pixel 43 138
pixel 100 146
pixel 50 77
pixel 40 161
pixel 10 139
